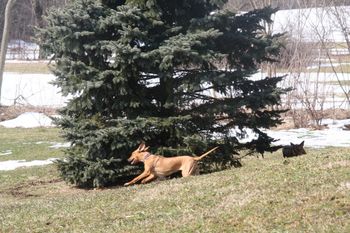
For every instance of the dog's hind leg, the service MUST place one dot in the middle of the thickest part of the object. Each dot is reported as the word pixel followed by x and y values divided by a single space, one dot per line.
pixel 191 170
pixel 195 170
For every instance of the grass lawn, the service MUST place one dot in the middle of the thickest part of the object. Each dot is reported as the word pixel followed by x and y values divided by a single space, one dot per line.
pixel 28 67
pixel 28 144
pixel 304 194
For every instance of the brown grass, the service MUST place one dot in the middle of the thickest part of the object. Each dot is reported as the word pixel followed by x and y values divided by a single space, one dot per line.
pixel 10 112
pixel 309 193
pixel 28 67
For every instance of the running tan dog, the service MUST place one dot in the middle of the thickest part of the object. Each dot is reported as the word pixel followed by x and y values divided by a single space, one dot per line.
pixel 159 166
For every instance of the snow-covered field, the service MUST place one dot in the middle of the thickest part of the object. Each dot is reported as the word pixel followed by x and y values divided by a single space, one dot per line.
pixel 36 90
pixel 313 24
pixel 333 136
pixel 30 89
pixel 19 49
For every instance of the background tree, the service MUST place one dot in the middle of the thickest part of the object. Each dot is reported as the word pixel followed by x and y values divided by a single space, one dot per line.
pixel 146 71
pixel 26 14
pixel 4 40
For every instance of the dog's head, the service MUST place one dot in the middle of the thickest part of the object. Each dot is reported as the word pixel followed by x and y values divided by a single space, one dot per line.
pixel 138 154
pixel 299 148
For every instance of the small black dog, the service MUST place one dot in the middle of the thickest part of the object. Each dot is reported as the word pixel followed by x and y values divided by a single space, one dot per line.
pixel 293 150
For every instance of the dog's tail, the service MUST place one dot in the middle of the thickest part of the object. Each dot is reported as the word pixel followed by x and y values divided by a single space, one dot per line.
pixel 205 154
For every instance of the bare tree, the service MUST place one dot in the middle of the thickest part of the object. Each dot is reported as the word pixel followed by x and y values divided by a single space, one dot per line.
pixel 340 16
pixel 4 40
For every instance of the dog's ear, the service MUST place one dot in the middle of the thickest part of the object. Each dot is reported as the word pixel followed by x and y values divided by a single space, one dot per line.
pixel 145 149
pixel 302 143
pixel 291 144
pixel 141 147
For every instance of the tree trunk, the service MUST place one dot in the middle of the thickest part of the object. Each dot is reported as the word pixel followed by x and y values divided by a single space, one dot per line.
pixel 4 41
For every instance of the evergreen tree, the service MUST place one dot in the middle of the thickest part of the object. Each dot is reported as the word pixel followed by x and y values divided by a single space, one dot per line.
pixel 147 70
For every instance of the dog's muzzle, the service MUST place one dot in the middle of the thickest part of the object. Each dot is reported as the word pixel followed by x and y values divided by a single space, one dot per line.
pixel 131 160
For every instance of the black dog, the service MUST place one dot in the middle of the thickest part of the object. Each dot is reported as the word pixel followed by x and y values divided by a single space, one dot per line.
pixel 293 150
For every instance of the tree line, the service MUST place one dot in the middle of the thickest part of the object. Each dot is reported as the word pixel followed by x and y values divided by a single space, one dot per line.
pixel 26 14
pixel 29 13
pixel 247 5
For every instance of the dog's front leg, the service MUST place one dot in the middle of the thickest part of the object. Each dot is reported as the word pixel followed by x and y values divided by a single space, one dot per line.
pixel 149 178
pixel 143 175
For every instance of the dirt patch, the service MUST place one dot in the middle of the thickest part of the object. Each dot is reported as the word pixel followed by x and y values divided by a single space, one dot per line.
pixel 337 114
pixel 11 112
pixel 300 118
pixel 39 188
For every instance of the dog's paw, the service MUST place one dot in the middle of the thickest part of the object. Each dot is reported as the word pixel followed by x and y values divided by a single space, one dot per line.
pixel 127 184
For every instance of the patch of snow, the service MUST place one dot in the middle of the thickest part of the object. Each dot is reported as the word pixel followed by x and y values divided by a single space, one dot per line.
pixel 334 136
pixel 40 142
pixel 60 145
pixel 19 49
pixel 6 152
pixel 13 164
pixel 31 89
pixel 28 120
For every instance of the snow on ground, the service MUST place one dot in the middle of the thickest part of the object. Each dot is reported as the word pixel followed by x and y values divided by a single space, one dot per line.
pixel 60 145
pixel 6 152
pixel 31 89
pixel 13 164
pixel 334 135
pixel 311 23
pixel 19 49
pixel 28 120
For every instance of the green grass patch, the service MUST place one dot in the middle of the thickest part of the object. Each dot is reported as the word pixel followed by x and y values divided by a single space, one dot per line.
pixel 28 68
pixel 28 144
pixel 310 193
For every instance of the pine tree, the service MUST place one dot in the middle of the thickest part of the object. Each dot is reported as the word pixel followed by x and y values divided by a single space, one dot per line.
pixel 147 70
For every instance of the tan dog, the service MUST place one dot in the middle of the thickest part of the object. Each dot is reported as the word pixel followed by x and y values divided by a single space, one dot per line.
pixel 159 166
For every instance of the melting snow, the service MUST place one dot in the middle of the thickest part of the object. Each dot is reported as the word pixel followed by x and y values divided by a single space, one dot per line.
pixel 6 152
pixel 32 89
pixel 60 145
pixel 333 136
pixel 13 164
pixel 29 120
